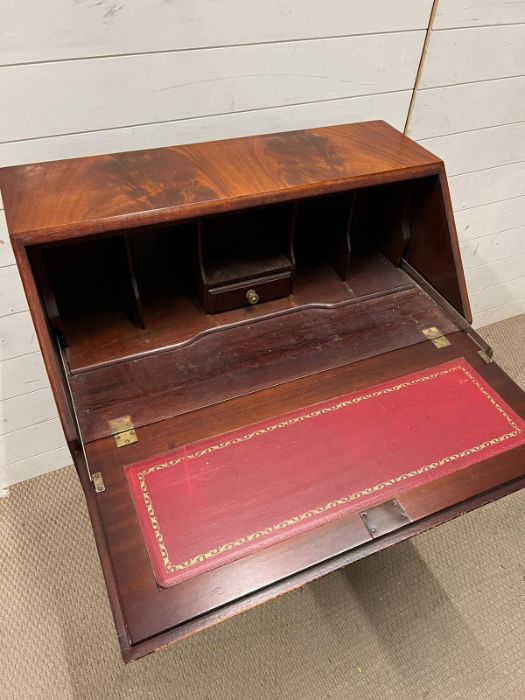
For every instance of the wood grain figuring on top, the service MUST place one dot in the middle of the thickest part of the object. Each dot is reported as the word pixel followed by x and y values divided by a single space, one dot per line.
pixel 69 198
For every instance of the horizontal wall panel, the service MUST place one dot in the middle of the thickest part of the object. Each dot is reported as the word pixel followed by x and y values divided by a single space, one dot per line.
pixel 23 374
pixel 40 31
pixel 30 441
pixel 497 246
pixel 490 218
pixel 6 252
pixel 449 110
pixel 34 466
pixel 391 107
pixel 28 409
pixel 483 148
pixel 111 92
pixel 471 13
pixel 17 336
pixel 467 55
pixel 499 295
pixel 506 270
pixel 485 318
pixel 12 295
pixel 486 186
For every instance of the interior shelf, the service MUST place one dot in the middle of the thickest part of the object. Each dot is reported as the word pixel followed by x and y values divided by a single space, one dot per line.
pixel 103 336
pixel 128 294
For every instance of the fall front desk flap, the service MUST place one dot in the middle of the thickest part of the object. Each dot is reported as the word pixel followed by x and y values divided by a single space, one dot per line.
pixel 206 504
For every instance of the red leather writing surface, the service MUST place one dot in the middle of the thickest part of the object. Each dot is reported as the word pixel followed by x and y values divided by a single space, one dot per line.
pixel 206 504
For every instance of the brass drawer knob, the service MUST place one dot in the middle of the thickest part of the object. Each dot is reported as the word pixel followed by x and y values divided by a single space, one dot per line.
pixel 252 296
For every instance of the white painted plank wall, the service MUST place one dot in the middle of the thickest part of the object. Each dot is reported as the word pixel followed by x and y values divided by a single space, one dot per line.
pixel 469 108
pixel 6 252
pixel 66 29
pixel 82 78
pixel 113 92
pixel 478 13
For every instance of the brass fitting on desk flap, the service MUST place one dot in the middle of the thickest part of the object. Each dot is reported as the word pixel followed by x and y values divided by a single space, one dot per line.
pixel 436 337
pixel 123 431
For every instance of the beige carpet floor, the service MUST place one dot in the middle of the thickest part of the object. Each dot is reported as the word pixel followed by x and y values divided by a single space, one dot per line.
pixel 440 616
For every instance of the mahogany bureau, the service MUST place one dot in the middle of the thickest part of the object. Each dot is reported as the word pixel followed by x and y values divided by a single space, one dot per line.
pixel 184 293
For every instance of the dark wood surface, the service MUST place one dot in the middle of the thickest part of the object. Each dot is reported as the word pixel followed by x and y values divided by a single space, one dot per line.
pixel 47 345
pixel 433 243
pixel 69 198
pixel 105 335
pixel 148 610
pixel 244 358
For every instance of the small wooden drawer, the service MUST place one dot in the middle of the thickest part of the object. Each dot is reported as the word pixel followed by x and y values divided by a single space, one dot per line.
pixel 249 292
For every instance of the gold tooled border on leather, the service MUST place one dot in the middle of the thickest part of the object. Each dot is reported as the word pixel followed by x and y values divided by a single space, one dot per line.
pixel 169 566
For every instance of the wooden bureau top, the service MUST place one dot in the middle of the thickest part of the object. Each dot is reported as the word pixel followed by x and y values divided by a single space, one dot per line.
pixel 69 198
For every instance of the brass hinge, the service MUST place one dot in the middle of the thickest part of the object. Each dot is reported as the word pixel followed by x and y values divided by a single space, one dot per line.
pixel 436 337
pixel 123 431
pixel 98 482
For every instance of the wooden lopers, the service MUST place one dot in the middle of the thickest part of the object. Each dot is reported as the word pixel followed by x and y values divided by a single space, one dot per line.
pixel 201 288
